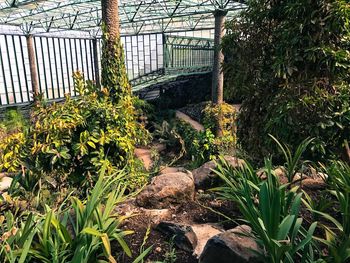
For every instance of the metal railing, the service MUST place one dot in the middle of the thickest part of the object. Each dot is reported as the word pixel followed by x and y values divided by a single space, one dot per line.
pixel 146 56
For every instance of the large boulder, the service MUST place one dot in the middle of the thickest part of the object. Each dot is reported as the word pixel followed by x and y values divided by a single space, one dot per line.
pixel 205 178
pixel 166 190
pixel 190 237
pixel 232 246
pixel 129 208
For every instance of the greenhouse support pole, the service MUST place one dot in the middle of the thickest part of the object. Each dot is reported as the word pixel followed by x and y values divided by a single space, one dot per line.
pixel 32 66
pixel 96 66
pixel 218 76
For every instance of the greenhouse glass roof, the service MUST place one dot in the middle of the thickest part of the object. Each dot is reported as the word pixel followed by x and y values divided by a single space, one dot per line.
pixel 137 16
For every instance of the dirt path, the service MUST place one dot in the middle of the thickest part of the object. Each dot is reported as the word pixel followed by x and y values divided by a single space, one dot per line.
pixel 195 125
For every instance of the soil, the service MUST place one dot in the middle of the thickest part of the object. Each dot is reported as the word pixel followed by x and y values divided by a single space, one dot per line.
pixel 205 209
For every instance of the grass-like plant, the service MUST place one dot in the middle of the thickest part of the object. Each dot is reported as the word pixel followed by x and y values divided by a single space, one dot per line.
pixel 272 210
pixel 337 233
pixel 292 160
pixel 82 232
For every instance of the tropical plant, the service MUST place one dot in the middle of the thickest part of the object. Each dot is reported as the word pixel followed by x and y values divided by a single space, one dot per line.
pixel 337 233
pixel 293 162
pixel 79 231
pixel 322 202
pixel 273 213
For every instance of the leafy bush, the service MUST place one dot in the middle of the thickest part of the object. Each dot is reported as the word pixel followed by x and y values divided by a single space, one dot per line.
pixel 76 137
pixel 290 63
pixel 228 122
pixel 13 120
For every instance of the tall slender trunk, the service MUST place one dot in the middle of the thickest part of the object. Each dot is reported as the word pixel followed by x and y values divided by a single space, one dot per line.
pixel 110 18
pixel 113 73
pixel 218 76
pixel 32 66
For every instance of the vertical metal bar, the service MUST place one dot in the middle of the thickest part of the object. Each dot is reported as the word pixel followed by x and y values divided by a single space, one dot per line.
pixel 87 60
pixel 61 63
pixel 24 68
pixel 92 59
pixel 144 54
pixel 138 55
pixel 157 65
pixel 71 60
pixel 3 76
pixel 56 69
pixel 132 58
pixel 76 54
pixel 96 66
pixel 50 67
pixel 67 66
pixel 44 67
pixel 164 51
pixel 81 57
pixel 9 63
pixel 17 69
pixel 150 52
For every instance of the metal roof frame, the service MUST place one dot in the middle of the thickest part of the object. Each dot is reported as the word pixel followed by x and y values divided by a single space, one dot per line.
pixel 136 16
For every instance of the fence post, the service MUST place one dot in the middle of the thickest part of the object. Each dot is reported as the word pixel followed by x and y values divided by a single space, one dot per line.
pixel 165 53
pixel 32 66
pixel 96 67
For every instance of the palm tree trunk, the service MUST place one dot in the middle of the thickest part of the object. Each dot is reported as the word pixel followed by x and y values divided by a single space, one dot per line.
pixel 113 73
pixel 110 18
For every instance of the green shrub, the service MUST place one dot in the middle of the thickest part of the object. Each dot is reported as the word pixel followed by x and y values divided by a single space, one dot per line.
pixel 290 63
pixel 76 137
pixel 228 112
pixel 13 120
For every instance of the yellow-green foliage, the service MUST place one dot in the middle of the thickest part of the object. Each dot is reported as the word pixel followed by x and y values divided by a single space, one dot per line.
pixel 77 136
pixel 11 150
pixel 114 75
pixel 228 114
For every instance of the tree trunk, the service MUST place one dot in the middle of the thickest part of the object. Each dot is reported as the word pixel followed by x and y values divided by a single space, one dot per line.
pixel 32 66
pixel 113 73
pixel 218 76
pixel 110 18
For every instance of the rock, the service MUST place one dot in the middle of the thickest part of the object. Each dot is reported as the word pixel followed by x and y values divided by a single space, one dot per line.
pixel 205 178
pixel 167 170
pixel 157 215
pixel 145 155
pixel 166 190
pixel 5 183
pixel 203 233
pixel 183 235
pixel 191 238
pixel 232 246
pixel 311 179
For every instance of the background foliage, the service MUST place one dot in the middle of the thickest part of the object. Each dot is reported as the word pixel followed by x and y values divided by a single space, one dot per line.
pixel 290 62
